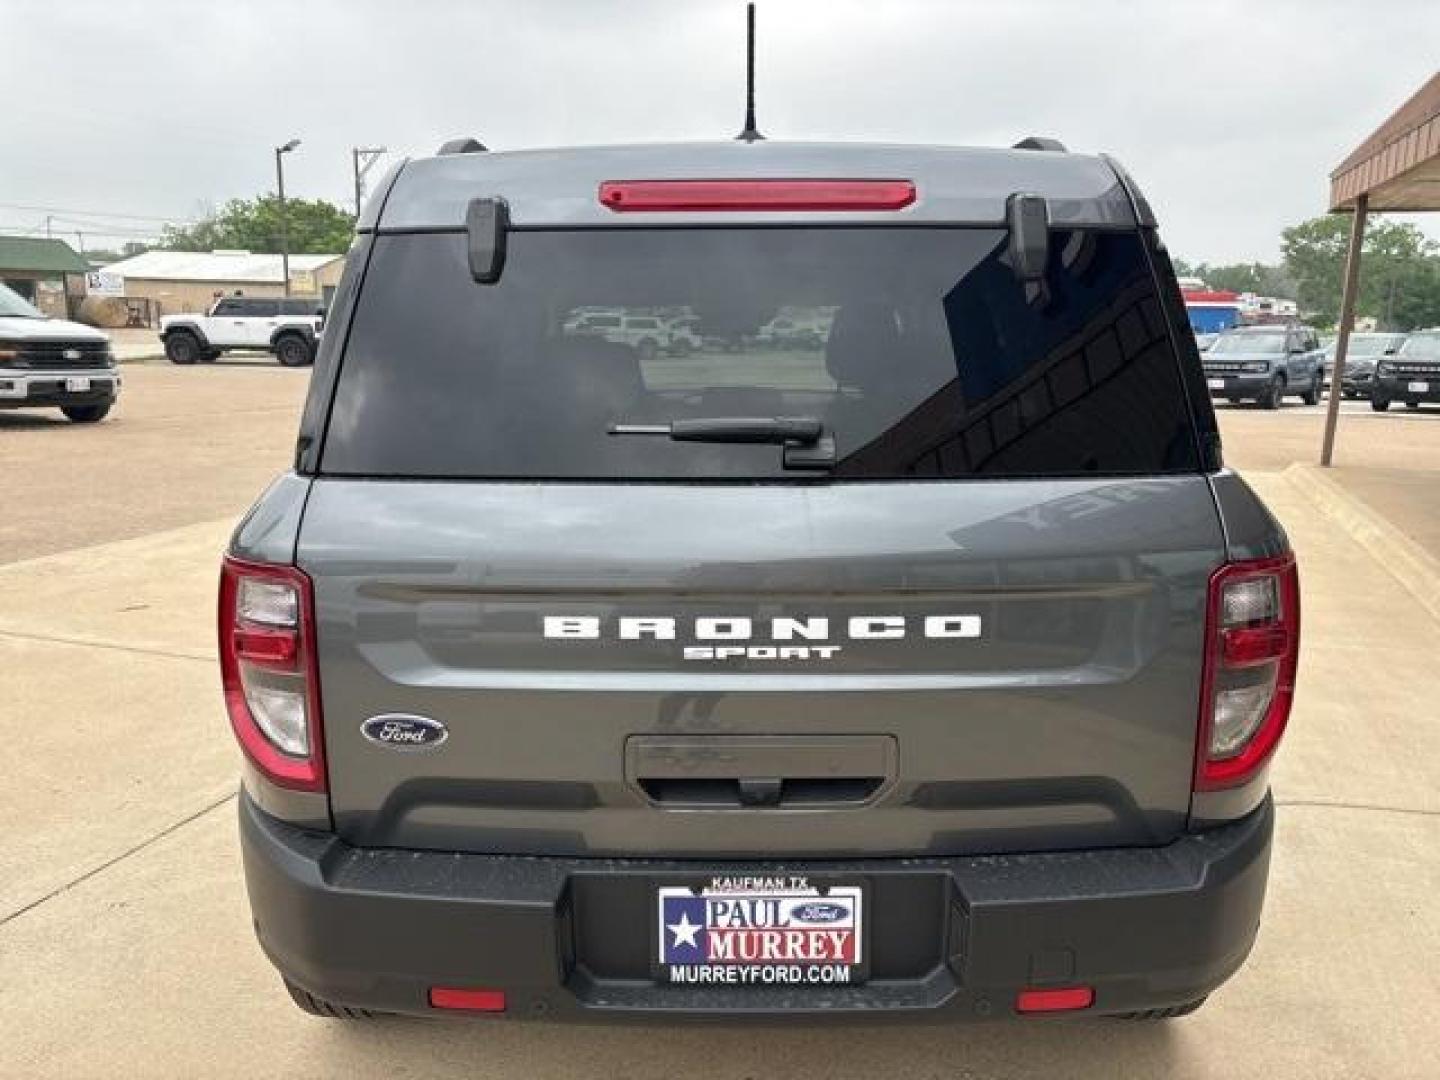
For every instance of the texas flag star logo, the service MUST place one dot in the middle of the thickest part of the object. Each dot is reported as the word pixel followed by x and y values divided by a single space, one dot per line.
pixel 684 929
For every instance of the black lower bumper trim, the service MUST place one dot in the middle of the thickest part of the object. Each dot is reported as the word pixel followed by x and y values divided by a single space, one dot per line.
pixel 951 938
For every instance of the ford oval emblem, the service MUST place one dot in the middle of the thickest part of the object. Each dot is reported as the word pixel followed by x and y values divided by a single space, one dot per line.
pixel 402 731
pixel 819 911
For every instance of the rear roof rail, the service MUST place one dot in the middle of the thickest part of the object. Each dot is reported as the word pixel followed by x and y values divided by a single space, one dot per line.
pixel 1040 142
pixel 466 145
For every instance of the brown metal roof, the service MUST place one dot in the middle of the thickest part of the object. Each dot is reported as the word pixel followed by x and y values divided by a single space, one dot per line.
pixel 1399 165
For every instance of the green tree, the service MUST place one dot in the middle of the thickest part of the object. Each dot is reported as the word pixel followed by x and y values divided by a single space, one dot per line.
pixel 1399 274
pixel 314 227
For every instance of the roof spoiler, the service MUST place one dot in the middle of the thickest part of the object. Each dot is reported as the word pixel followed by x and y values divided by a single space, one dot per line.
pixel 466 145
pixel 1040 142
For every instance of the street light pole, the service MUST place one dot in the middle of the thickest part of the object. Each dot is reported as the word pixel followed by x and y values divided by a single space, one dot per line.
pixel 362 158
pixel 280 152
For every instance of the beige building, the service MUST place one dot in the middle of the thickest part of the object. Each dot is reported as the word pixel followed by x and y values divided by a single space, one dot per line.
pixel 180 281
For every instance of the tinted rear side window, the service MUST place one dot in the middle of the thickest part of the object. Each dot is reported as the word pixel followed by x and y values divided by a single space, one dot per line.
pixel 916 348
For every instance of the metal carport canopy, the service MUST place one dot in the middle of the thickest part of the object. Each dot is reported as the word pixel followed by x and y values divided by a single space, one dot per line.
pixel 1396 169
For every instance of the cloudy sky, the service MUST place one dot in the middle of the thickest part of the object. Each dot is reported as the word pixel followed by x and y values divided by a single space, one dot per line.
pixel 1230 114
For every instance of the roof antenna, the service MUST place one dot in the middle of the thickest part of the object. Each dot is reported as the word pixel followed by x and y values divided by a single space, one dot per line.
pixel 751 133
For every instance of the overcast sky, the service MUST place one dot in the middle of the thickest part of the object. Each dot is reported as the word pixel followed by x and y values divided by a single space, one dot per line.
pixel 1229 114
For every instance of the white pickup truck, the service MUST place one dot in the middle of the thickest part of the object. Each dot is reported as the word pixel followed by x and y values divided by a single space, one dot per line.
pixel 288 328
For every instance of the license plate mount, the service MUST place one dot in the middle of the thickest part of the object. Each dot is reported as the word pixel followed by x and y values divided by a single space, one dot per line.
pixel 1216 384
pixel 755 931
pixel 1418 388
pixel 77 384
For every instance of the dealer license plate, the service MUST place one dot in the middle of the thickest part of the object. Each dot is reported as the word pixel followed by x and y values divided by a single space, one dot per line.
pixel 761 931
pixel 1216 384
pixel 77 385
pixel 1418 387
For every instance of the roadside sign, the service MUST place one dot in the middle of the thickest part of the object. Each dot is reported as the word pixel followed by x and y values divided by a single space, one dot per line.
pixel 104 283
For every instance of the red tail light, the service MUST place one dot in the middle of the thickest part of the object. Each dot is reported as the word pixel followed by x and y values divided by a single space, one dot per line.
pixel 1252 630
pixel 717 195
pixel 1065 999
pixel 268 671
pixel 469 1000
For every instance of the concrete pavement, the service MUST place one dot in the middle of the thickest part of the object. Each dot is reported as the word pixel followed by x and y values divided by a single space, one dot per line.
pixel 125 948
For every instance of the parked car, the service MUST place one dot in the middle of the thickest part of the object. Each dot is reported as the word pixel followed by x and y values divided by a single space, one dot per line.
pixel 646 334
pixel 1360 358
pixel 54 363
pixel 791 332
pixel 1264 364
pixel 288 328
pixel 1411 375
pixel 932 673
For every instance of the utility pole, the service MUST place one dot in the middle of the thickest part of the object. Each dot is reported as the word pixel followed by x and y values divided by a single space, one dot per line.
pixel 48 234
pixel 362 158
pixel 280 152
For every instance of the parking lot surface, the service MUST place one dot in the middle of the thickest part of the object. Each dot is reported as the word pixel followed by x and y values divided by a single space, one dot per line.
pixel 125 948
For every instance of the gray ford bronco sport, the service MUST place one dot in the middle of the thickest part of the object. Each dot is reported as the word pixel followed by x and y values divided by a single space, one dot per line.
pixel 928 666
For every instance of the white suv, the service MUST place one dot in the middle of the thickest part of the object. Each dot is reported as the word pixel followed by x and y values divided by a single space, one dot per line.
pixel 288 328
pixel 646 334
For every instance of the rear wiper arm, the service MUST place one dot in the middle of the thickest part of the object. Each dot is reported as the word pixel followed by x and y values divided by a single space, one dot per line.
pixel 806 444
pixel 779 430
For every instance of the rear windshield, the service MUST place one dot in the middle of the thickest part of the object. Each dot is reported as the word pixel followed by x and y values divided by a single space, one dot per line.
pixel 916 348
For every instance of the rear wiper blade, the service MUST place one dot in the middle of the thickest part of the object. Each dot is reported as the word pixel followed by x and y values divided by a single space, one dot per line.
pixel 779 430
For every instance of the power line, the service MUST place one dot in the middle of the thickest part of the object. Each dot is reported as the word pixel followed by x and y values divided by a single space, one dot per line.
pixel 100 213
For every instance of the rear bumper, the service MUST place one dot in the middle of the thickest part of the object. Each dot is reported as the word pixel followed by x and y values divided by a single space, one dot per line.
pixel 950 939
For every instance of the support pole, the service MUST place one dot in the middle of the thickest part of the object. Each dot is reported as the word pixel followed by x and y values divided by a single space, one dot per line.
pixel 1347 323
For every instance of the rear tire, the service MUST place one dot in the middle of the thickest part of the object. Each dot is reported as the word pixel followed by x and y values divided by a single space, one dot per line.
pixel 317 1006
pixel 1169 1012
pixel 1312 396
pixel 292 350
pixel 86 414
pixel 1273 393
pixel 183 347
pixel 1379 404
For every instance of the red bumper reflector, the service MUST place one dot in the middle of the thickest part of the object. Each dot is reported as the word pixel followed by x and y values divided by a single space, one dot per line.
pixel 276 647
pixel 453 997
pixel 718 195
pixel 1065 1000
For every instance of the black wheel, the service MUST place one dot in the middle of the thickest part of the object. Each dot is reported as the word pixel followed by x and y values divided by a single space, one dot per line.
pixel 293 350
pixel 1379 404
pixel 1273 393
pixel 1169 1012
pixel 183 347
pixel 1312 395
pixel 87 414
pixel 211 355
pixel 316 1006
